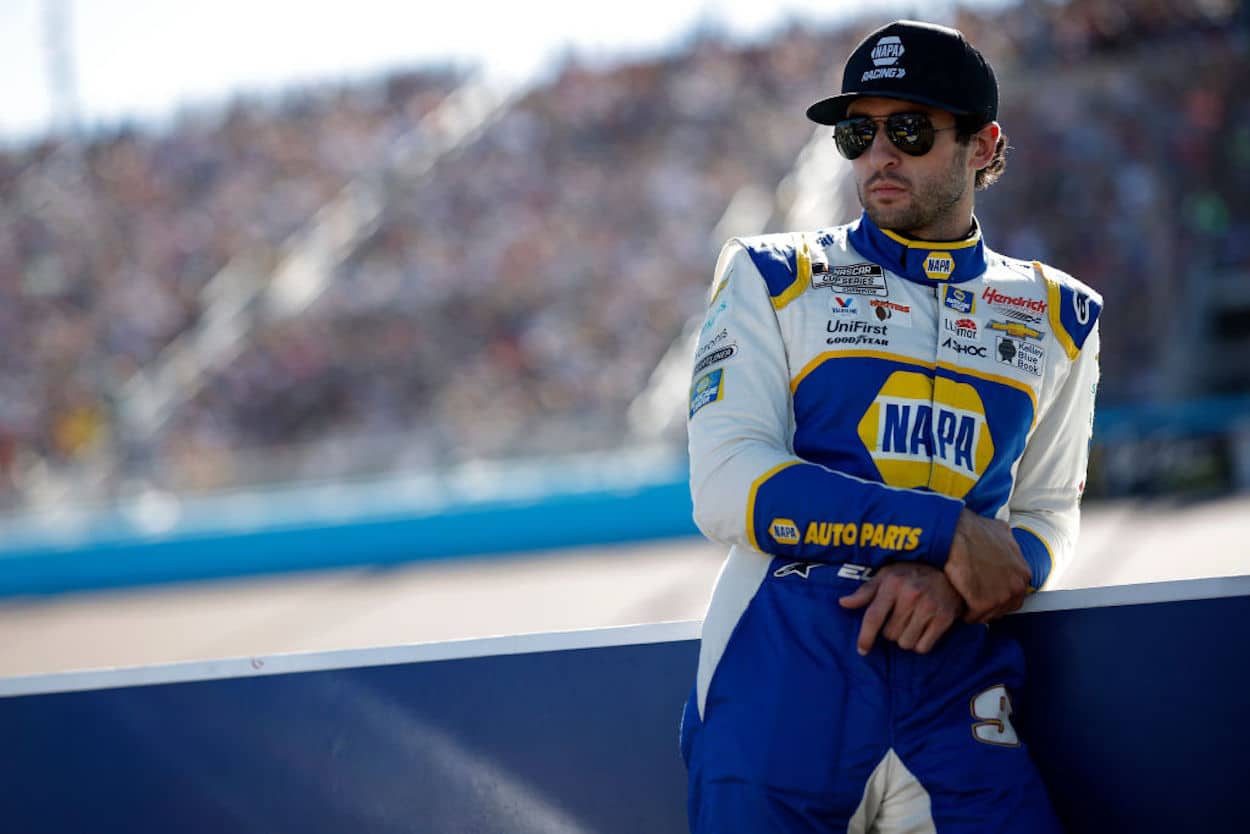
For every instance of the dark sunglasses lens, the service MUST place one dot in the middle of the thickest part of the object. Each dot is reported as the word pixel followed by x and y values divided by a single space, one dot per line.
pixel 911 133
pixel 853 136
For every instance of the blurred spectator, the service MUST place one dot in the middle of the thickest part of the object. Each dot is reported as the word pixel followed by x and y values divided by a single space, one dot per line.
pixel 516 298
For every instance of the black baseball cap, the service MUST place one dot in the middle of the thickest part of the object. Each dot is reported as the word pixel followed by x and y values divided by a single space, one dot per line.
pixel 920 62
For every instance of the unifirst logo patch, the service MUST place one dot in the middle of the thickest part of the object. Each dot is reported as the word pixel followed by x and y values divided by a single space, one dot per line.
pixel 927 432
pixel 939 265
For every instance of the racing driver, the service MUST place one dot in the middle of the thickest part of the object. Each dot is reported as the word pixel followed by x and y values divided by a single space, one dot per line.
pixel 889 426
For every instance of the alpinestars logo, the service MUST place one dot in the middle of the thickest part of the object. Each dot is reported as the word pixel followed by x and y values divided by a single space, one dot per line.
pixel 803 569
pixel 885 55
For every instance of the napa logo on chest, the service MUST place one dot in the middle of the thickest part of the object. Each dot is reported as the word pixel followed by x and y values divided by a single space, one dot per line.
pixel 924 431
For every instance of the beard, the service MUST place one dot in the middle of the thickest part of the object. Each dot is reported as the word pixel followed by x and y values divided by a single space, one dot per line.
pixel 931 200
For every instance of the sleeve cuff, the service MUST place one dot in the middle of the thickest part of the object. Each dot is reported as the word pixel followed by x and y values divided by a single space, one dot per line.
pixel 947 520
pixel 1036 553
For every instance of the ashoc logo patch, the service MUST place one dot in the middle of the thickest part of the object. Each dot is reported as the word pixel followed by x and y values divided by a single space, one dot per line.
pixel 925 432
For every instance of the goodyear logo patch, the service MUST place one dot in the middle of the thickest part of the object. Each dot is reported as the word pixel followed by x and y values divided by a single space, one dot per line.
pixel 926 432
pixel 939 265
pixel 959 300
pixel 707 389
pixel 784 531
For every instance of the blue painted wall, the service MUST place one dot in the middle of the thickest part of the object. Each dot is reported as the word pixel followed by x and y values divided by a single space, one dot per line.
pixel 1134 713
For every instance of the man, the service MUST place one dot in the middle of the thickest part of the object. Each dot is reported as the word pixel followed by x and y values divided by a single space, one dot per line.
pixel 889 424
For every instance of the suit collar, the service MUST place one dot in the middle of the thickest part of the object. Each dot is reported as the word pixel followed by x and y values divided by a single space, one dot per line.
pixel 925 262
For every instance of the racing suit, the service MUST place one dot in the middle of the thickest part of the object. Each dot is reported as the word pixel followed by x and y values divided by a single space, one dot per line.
pixel 853 391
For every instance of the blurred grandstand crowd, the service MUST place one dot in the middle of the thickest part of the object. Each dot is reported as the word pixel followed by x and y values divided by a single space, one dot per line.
pixel 514 298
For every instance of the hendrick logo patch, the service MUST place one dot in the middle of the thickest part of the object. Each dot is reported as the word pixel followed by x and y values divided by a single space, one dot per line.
pixel 852 279
pixel 1002 301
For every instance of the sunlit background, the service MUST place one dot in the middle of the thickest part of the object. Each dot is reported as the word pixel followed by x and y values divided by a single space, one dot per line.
pixel 248 247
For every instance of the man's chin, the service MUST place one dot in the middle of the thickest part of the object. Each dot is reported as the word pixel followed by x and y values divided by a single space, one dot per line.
pixel 894 218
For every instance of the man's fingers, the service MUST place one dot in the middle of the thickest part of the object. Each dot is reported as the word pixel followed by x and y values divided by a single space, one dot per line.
pixel 988 615
pixel 897 623
pixel 873 618
pixel 916 626
pixel 862 596
pixel 978 613
pixel 932 633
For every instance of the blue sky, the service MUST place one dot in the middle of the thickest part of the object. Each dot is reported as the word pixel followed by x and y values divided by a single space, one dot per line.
pixel 146 58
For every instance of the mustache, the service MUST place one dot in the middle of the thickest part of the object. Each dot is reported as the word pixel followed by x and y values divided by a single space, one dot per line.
pixel 884 177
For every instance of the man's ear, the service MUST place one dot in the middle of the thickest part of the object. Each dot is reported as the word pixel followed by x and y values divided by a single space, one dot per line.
pixel 984 142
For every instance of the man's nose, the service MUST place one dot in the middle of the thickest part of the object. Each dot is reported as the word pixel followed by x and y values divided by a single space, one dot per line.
pixel 881 152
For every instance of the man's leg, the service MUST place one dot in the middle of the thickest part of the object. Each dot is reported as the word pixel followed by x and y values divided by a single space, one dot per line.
pixel 954 733
pixel 795 720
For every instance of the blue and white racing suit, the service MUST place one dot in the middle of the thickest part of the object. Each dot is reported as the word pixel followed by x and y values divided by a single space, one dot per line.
pixel 853 391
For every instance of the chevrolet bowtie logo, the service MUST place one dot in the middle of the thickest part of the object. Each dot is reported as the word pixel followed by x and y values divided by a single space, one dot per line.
pixel 803 569
pixel 1020 331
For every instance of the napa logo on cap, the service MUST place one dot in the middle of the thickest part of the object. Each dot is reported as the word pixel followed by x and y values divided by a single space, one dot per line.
pixel 885 54
pixel 928 432
pixel 887 51
pixel 939 265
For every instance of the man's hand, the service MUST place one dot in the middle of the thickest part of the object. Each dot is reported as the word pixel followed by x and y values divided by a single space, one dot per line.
pixel 987 568
pixel 918 599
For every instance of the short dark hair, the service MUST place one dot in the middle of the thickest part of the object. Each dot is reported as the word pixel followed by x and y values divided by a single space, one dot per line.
pixel 968 126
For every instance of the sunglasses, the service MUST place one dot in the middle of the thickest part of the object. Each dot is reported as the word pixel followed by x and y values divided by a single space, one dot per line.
pixel 911 133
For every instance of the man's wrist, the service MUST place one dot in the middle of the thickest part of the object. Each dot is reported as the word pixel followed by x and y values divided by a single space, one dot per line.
pixel 1037 553
pixel 946 520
